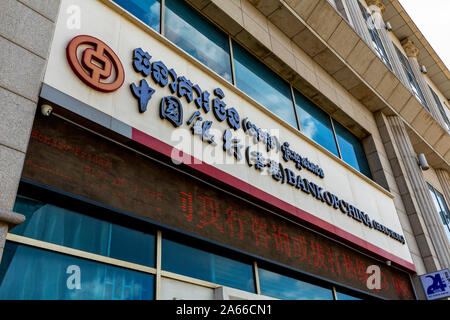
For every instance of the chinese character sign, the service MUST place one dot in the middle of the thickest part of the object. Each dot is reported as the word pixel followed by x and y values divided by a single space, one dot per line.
pixel 75 161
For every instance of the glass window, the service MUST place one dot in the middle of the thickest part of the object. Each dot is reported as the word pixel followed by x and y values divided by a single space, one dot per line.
pixel 263 85
pixel 442 209
pixel 28 273
pixel 411 78
pixel 282 287
pixel 192 32
pixel 340 8
pixel 195 263
pixel 352 151
pixel 315 123
pixel 67 228
pixel 440 107
pixel 343 296
pixel 376 40
pixel 148 11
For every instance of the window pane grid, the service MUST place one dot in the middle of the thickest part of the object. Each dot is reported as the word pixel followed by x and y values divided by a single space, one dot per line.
pixel 283 287
pixel 440 107
pixel 411 78
pixel 52 224
pixel 195 263
pixel 376 40
pixel 441 208
pixel 31 273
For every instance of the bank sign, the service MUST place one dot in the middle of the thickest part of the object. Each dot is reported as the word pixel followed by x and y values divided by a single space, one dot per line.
pixel 168 101
pixel 187 106
pixel 437 284
pixel 173 108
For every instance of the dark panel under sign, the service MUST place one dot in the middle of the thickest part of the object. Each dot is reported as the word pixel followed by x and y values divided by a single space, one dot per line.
pixel 70 159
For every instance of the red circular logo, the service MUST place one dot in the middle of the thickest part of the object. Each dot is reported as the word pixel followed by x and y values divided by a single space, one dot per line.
pixel 96 65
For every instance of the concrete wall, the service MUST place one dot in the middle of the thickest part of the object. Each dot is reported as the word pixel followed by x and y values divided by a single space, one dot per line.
pixel 26 32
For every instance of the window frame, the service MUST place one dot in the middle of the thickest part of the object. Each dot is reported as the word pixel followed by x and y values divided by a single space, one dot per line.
pixel 28 188
pixel 377 44
pixel 440 107
pixel 412 81
pixel 444 212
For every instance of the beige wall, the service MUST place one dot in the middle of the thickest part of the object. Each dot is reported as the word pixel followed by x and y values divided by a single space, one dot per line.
pixel 431 177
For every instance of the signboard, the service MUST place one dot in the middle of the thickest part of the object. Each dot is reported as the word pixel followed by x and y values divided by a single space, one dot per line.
pixel 437 284
pixel 172 109
pixel 70 159
pixel 168 96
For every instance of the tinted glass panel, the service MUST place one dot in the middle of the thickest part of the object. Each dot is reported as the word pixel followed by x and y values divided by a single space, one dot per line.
pixel 342 296
pixel 441 208
pixel 440 107
pixel 263 85
pixel 192 32
pixel 148 11
pixel 67 228
pixel 283 287
pixel 376 41
pixel 28 273
pixel 444 213
pixel 195 263
pixel 315 123
pixel 411 78
pixel 352 151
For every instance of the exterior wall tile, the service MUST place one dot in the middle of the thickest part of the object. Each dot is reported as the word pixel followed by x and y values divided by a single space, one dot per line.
pixel 423 121
pixel 304 8
pixel 255 30
pixel 228 17
pixel 423 243
pixel 343 39
pixel 346 78
pixel 433 134
pixel 411 109
pixel 266 7
pixel 278 35
pixel 399 97
pixel 412 244
pixel 329 61
pixel 48 8
pixel 324 19
pixel 286 21
pixel 420 269
pixel 26 27
pixel 387 85
pixel 20 69
pixel 360 57
pixel 375 73
pixel 254 14
pixel 3 232
pixel 12 162
pixel 199 4
pixel 443 144
pixel 16 120
pixel 308 42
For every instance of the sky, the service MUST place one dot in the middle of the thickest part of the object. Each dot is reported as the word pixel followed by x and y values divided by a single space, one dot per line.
pixel 432 17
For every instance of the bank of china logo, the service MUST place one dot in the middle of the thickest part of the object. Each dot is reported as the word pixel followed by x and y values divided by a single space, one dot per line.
pixel 95 63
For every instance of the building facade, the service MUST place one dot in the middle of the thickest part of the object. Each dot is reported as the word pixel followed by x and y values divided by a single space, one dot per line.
pixel 203 149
